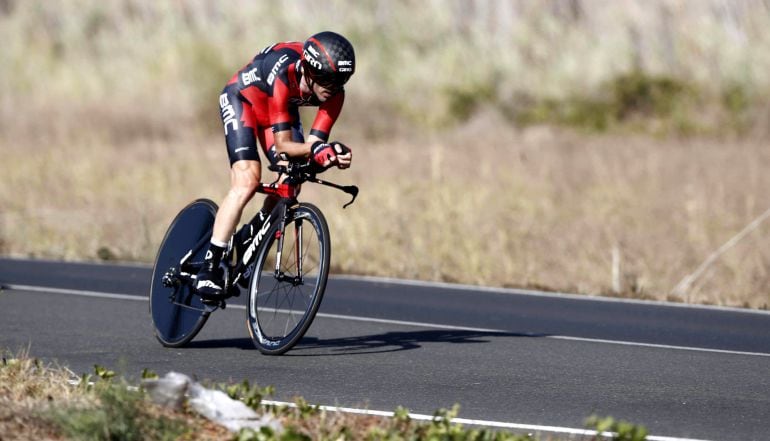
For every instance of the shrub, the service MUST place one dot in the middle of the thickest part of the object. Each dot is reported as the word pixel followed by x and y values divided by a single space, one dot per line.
pixel 123 413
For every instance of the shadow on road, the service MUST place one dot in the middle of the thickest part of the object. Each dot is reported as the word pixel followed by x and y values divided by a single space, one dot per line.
pixel 369 344
pixel 392 342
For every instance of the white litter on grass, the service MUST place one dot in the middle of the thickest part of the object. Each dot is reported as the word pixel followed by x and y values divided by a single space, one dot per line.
pixel 215 405
pixel 168 391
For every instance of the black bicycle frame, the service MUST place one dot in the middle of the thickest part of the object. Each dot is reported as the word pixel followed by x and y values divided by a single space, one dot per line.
pixel 286 193
pixel 243 267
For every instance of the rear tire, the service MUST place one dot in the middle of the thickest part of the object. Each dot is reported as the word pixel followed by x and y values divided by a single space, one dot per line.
pixel 281 308
pixel 177 312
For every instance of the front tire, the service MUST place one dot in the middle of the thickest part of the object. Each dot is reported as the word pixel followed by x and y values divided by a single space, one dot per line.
pixel 283 302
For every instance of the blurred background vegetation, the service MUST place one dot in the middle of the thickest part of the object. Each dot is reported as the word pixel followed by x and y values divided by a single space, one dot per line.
pixel 687 66
pixel 597 128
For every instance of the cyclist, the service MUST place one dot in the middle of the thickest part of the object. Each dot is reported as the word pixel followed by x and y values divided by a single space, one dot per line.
pixel 261 102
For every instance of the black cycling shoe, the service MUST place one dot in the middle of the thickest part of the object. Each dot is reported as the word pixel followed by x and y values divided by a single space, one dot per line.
pixel 210 282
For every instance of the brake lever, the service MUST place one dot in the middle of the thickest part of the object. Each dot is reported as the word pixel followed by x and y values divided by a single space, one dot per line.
pixel 351 190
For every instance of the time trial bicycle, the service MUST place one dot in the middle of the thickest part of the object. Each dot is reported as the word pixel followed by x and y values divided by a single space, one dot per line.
pixel 281 261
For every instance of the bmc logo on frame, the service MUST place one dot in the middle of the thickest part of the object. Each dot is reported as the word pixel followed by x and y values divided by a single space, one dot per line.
pixel 255 243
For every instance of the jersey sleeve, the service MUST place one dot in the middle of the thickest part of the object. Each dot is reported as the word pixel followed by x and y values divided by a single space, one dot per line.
pixel 278 107
pixel 327 115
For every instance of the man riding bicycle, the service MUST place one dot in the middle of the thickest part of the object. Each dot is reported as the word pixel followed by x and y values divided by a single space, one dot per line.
pixel 261 102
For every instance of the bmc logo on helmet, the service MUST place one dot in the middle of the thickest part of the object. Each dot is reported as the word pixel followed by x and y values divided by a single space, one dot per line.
pixel 345 66
pixel 312 60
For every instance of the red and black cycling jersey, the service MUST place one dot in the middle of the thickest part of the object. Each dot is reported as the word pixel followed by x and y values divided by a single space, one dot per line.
pixel 263 97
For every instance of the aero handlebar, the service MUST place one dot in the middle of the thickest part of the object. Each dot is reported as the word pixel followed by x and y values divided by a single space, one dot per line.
pixel 298 173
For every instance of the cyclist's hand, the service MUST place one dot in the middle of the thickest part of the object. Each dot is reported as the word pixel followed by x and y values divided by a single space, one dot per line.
pixel 344 155
pixel 323 154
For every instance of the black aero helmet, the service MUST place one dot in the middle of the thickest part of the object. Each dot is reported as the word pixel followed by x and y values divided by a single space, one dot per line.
pixel 328 59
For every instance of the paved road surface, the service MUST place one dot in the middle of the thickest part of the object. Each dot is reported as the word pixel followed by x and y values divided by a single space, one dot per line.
pixel 504 355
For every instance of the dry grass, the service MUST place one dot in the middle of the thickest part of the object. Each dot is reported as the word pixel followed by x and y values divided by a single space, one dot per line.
pixel 27 388
pixel 157 67
pixel 26 382
pixel 33 393
pixel 42 402
pixel 108 126
pixel 543 208
pixel 484 204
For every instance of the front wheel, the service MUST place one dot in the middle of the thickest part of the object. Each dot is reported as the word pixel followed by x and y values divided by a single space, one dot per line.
pixel 290 279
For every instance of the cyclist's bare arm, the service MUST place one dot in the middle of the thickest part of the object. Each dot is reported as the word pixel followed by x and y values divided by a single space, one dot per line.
pixel 285 144
pixel 292 149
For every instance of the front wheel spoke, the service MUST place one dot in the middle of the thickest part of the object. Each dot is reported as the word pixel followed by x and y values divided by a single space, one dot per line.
pixel 266 295
pixel 308 247
pixel 287 262
pixel 286 298
pixel 290 317
pixel 266 298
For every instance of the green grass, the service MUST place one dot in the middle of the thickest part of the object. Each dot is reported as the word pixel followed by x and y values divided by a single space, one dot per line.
pixel 309 423
pixel 120 415
pixel 637 101
pixel 38 401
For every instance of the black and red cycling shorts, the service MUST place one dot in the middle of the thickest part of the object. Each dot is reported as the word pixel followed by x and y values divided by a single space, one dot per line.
pixel 242 130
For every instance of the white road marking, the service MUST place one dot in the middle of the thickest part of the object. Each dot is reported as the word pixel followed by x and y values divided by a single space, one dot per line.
pixel 545 294
pixel 553 337
pixel 414 416
pixel 487 289
pixel 474 422
pixel 659 346
pixel 75 292
pixel 530 428
pixel 403 322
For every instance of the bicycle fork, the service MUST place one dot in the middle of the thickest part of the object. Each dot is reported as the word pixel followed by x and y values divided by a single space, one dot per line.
pixel 280 275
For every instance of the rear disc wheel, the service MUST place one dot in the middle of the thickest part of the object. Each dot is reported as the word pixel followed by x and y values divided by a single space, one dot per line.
pixel 176 310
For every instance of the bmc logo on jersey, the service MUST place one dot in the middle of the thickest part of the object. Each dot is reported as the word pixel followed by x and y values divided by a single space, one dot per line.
pixel 274 71
pixel 250 77
pixel 228 113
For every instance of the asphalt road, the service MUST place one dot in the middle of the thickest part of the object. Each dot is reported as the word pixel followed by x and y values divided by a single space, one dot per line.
pixel 503 355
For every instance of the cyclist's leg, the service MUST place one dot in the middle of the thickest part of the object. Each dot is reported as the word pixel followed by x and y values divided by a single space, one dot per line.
pixel 239 124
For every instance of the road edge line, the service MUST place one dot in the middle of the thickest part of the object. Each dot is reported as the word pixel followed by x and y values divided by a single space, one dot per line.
pixel 475 422
pixel 404 323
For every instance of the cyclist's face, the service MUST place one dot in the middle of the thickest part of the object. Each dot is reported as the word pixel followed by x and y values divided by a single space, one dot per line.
pixel 325 92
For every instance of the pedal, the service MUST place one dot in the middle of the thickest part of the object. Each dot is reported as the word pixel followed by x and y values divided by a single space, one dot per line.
pixel 170 278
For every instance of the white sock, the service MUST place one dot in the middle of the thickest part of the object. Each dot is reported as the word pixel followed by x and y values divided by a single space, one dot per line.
pixel 218 243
